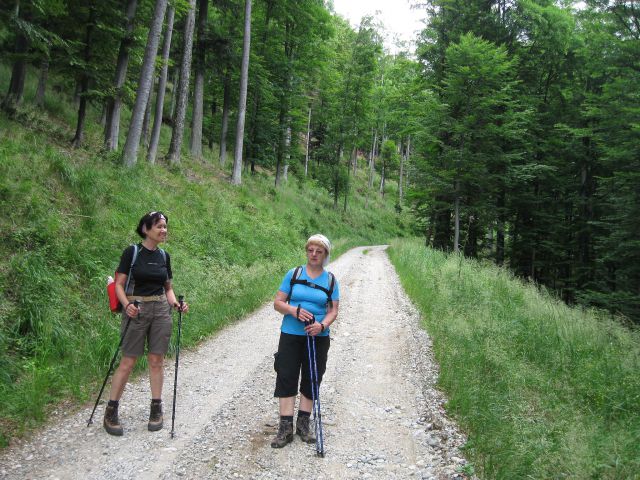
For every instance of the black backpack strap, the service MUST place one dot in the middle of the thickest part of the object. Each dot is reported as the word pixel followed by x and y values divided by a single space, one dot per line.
pixel 294 280
pixel 133 262
pixel 332 283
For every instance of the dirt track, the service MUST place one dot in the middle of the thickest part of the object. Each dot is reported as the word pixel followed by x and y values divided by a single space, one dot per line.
pixel 382 416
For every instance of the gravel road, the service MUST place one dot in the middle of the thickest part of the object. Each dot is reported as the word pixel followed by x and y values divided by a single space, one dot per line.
pixel 382 416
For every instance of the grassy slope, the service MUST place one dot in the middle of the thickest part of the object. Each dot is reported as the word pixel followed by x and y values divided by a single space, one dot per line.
pixel 543 390
pixel 66 216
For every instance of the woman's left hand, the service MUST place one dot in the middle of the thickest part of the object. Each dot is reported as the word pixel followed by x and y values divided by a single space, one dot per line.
pixel 313 329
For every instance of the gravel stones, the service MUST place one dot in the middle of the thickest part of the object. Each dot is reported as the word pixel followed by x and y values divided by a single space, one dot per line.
pixel 382 415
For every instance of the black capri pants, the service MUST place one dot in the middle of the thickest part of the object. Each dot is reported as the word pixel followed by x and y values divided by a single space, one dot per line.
pixel 293 358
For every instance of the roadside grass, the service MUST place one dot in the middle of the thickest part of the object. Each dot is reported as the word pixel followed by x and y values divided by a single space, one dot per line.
pixel 67 214
pixel 542 390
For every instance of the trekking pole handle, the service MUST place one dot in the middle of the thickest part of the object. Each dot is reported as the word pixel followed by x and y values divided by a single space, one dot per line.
pixel 180 303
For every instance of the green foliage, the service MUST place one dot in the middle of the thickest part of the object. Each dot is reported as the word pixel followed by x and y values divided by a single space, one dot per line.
pixel 526 149
pixel 543 390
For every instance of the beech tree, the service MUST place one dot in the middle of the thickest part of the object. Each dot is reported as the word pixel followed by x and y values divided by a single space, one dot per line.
pixel 177 133
pixel 114 102
pixel 236 178
pixel 198 89
pixel 162 86
pixel 130 153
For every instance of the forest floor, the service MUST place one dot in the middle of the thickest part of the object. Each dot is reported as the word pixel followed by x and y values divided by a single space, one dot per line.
pixel 383 417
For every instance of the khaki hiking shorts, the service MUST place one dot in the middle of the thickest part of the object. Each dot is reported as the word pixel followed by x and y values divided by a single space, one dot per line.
pixel 152 326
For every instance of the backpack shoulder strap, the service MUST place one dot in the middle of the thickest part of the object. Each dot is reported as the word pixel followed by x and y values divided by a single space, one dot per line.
pixel 332 283
pixel 133 262
pixel 294 277
pixel 164 255
pixel 135 256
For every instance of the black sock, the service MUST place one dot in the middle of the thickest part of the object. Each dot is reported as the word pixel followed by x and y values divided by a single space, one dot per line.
pixel 114 403
pixel 302 413
pixel 288 418
pixel 156 400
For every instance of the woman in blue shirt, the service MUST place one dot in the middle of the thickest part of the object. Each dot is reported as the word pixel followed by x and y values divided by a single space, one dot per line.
pixel 309 305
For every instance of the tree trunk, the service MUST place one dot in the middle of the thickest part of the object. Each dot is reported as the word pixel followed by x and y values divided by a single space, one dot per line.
pixel 226 106
pixel 84 82
pixel 372 160
pixel 130 153
pixel 144 140
pixel 287 150
pixel 162 87
pixel 255 106
pixel 306 155
pixel 198 88
pixel 402 159
pixel 42 82
pixel 500 206
pixel 103 117
pixel 183 87
pixel 456 217
pixel 336 178
pixel 281 141
pixel 348 183
pixel 114 104
pixel 242 104
pixel 18 71
pixel 174 91
pixel 372 157
pixel 382 181
pixel 354 158
pixel 407 163
pixel 214 110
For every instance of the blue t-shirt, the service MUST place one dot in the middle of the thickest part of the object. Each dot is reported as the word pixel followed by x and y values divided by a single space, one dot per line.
pixel 311 299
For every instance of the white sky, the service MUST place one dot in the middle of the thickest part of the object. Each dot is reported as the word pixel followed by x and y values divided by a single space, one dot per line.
pixel 397 16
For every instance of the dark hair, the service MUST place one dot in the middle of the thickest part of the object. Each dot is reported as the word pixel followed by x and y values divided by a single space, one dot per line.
pixel 149 220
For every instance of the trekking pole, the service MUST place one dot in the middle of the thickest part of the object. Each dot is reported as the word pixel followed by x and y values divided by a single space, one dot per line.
pixel 315 394
pixel 319 434
pixel 175 379
pixel 126 327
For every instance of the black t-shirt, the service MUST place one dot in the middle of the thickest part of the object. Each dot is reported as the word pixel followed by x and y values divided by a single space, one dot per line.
pixel 150 272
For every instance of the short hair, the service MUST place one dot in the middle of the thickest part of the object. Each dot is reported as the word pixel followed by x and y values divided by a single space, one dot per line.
pixel 148 220
pixel 322 241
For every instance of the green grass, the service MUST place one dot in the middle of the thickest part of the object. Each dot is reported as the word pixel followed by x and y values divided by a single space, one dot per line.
pixel 543 390
pixel 68 214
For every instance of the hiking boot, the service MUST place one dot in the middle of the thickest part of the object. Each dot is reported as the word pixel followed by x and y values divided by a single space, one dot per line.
pixel 285 434
pixel 111 422
pixel 155 417
pixel 303 429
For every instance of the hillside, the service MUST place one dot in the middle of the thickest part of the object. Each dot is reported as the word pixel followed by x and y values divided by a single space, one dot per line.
pixel 68 213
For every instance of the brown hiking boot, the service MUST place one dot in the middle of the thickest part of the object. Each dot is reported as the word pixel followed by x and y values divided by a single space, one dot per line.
pixel 111 422
pixel 155 417
pixel 303 429
pixel 285 434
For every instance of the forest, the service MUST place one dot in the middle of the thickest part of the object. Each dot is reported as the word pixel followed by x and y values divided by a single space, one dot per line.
pixel 512 130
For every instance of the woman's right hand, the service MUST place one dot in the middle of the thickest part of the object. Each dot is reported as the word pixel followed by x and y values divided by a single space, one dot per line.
pixel 132 310
pixel 303 315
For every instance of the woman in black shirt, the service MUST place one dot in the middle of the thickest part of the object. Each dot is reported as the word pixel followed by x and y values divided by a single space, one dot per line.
pixel 150 322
